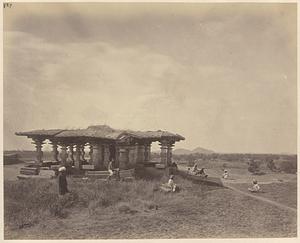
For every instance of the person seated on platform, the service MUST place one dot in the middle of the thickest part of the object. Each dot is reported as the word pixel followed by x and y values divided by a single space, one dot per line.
pixel 62 181
pixel 112 171
pixel 255 187
pixel 225 174
pixel 110 168
pixel 174 165
pixel 202 173
pixel 195 169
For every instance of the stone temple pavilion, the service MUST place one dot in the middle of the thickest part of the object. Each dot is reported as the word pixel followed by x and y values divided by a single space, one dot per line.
pixel 128 148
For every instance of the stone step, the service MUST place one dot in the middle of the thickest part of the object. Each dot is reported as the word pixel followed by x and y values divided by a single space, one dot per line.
pixel 160 166
pixel 126 174
pixel 29 168
pixel 128 179
pixel 55 167
pixel 98 176
pixel 97 172
pixel 28 171
pixel 105 174
pixel 20 176
pixel 88 167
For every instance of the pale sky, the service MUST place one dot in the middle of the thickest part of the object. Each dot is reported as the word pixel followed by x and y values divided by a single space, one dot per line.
pixel 221 75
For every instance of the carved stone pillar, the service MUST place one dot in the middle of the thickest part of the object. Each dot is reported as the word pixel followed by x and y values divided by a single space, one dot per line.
pixel 77 156
pixel 135 149
pixel 63 154
pixel 112 152
pixel 123 158
pixel 169 154
pixel 98 156
pixel 132 154
pixel 82 153
pixel 147 152
pixel 91 154
pixel 140 154
pixel 105 155
pixel 55 151
pixel 71 155
pixel 117 156
pixel 39 152
pixel 164 152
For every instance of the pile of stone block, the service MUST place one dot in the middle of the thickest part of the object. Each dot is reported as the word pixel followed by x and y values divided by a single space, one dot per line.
pixel 97 174
pixel 34 171
pixel 29 171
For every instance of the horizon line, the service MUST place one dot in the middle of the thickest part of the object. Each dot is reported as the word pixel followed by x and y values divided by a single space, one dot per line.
pixel 155 151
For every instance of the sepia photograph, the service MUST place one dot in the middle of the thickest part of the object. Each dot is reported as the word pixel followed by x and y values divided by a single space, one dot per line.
pixel 174 120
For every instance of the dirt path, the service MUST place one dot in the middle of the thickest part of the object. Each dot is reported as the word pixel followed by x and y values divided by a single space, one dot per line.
pixel 238 176
pixel 230 185
pixel 262 199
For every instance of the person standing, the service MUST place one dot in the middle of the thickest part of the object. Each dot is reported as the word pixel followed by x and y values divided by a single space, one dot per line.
pixel 62 181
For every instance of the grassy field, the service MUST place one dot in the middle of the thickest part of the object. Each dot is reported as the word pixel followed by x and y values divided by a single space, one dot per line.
pixel 138 209
pixel 284 193
pixel 101 210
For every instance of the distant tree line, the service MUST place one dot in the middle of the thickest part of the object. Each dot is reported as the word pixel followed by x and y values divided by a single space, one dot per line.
pixel 233 157
pixel 284 162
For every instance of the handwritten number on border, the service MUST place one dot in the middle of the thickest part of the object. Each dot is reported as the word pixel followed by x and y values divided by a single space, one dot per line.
pixel 7 5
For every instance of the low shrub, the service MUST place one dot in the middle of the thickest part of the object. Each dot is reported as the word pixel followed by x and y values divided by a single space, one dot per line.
pixel 124 208
pixel 288 166
pixel 271 165
pixel 254 166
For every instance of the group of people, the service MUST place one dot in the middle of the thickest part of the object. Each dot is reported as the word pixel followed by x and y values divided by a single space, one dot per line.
pixel 62 176
pixel 196 171
pixel 255 187
pixel 170 186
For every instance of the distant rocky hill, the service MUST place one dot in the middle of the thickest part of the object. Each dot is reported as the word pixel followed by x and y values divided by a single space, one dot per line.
pixel 196 150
